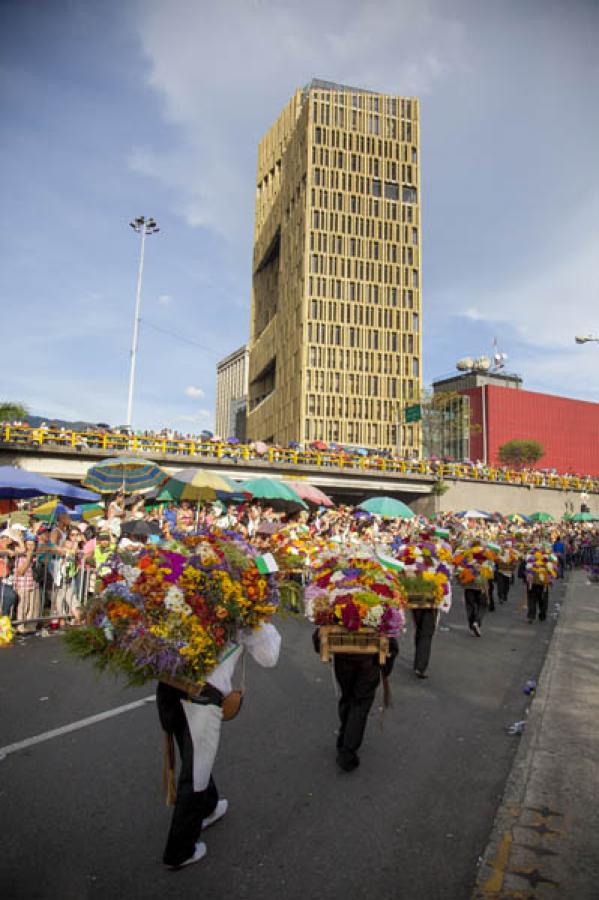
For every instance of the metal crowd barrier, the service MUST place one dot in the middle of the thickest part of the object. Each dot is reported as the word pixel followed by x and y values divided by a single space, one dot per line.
pixel 62 586
pixel 210 449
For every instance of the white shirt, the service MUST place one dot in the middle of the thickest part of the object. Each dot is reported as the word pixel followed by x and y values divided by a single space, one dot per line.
pixel 263 644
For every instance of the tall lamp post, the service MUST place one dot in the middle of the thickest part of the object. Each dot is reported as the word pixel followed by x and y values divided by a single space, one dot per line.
pixel 143 227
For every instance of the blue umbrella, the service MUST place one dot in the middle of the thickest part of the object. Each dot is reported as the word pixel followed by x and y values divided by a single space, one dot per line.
pixel 19 484
pixel 124 473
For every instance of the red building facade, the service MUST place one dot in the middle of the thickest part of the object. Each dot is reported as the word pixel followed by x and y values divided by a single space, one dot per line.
pixel 567 429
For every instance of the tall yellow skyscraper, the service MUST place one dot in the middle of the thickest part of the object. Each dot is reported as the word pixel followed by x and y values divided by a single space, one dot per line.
pixel 335 334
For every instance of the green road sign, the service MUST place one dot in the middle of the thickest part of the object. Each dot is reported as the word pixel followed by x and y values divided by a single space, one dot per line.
pixel 412 413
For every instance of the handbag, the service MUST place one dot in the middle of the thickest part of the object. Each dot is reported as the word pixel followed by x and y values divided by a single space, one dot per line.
pixel 233 701
pixel 231 705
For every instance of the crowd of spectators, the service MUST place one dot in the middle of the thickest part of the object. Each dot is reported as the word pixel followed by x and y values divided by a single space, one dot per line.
pixel 47 571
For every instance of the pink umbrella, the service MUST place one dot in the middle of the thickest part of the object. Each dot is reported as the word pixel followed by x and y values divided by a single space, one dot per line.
pixel 310 493
pixel 260 447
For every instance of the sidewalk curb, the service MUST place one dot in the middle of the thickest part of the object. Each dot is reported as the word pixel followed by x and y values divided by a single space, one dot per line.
pixel 523 838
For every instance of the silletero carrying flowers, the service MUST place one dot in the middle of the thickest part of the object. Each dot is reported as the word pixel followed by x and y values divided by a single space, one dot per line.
pixel 168 613
pixel 355 591
pixel 474 566
pixel 541 566
pixel 426 579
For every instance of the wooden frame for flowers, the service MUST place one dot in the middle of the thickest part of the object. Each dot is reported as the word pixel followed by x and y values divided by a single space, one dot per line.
pixel 422 600
pixel 367 641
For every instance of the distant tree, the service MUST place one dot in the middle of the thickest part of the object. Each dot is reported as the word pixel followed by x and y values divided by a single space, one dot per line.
pixel 519 453
pixel 9 412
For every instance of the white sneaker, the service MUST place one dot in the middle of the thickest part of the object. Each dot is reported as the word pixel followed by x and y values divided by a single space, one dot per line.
pixel 219 811
pixel 199 853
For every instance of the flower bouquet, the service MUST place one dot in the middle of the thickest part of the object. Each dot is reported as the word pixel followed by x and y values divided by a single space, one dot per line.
pixel 426 579
pixel 474 566
pixel 357 602
pixel 508 558
pixel 541 566
pixel 168 613
pixel 6 631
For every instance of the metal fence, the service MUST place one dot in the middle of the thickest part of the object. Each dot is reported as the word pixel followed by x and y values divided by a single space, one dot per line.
pixel 344 459
pixel 54 588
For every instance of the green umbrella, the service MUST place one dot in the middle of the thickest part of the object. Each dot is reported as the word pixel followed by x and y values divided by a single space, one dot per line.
pixel 584 517
pixel 541 517
pixel 276 492
pixel 387 507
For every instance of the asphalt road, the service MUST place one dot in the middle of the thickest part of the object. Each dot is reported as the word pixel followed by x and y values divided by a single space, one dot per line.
pixel 82 815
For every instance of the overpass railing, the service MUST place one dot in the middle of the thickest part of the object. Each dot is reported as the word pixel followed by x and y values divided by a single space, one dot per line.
pixel 211 449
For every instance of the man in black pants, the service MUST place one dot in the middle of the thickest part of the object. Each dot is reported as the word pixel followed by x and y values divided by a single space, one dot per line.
pixel 193 809
pixel 537 595
pixel 476 603
pixel 504 581
pixel 358 677
pixel 425 622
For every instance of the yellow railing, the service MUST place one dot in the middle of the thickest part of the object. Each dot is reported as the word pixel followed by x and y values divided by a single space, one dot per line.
pixel 210 449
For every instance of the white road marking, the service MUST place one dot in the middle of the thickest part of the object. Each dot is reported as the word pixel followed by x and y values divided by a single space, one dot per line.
pixel 74 726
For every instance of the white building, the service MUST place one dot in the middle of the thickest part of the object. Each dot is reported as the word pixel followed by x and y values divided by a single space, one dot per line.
pixel 231 394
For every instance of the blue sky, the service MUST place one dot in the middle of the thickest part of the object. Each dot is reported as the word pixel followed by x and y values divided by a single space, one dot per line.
pixel 115 109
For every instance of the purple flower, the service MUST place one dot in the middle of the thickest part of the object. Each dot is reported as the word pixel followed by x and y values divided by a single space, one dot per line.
pixel 392 620
pixel 176 562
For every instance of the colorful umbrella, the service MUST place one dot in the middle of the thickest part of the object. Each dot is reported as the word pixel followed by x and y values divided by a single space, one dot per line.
pixel 195 484
pixel 129 474
pixel 541 517
pixel 278 493
pixel 518 518
pixel 387 507
pixel 474 514
pixel 310 493
pixel 87 511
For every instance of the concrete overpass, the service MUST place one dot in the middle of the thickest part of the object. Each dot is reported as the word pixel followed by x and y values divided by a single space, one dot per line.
pixel 343 483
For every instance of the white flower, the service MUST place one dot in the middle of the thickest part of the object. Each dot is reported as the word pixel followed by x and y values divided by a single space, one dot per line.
pixel 175 600
pixel 129 573
pixel 374 615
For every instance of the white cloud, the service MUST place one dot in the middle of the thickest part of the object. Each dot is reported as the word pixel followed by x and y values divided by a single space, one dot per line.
pixel 165 300
pixel 255 55
pixel 194 392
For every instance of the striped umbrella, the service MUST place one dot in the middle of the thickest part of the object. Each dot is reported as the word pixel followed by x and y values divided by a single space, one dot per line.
pixel 129 474
pixel 196 484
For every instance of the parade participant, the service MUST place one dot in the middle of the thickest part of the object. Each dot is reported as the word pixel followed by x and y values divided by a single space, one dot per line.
pixel 476 604
pixel 537 598
pixel 358 677
pixel 503 581
pixel 425 622
pixel 195 724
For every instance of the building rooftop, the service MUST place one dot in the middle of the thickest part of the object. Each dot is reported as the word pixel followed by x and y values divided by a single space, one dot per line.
pixel 319 84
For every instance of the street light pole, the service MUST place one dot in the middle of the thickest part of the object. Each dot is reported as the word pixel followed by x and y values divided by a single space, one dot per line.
pixel 143 227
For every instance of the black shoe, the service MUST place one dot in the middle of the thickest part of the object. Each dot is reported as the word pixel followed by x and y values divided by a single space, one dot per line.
pixel 419 674
pixel 348 761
